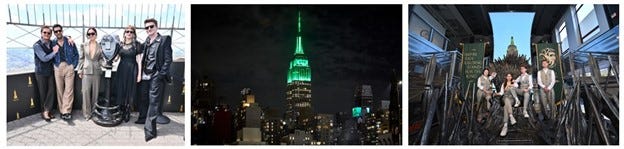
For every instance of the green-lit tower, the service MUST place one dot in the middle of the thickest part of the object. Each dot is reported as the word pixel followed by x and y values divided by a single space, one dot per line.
pixel 298 89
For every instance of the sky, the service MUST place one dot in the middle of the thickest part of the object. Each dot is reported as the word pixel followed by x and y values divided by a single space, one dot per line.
pixel 507 24
pixel 251 46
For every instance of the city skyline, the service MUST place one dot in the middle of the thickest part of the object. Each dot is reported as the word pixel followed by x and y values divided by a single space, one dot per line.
pixel 251 46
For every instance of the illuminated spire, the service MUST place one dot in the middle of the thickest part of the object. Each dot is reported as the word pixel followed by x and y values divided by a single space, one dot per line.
pixel 299 47
pixel 299 69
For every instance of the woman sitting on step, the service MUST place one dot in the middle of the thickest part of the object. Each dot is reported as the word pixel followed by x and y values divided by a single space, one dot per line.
pixel 506 91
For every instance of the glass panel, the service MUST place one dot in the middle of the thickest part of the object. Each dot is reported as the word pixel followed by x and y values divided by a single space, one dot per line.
pixel 587 21
pixel 563 37
pixel 564 45
pixel 419 27
pixel 438 40
pixel 591 34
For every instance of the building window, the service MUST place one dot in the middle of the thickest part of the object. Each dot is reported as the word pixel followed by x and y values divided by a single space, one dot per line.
pixel 439 40
pixel 563 37
pixel 419 27
pixel 588 21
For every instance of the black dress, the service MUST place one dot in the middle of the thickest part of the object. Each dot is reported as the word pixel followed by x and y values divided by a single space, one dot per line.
pixel 126 76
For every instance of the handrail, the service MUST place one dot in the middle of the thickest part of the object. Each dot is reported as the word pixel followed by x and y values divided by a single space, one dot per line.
pixel 596 115
pixel 601 92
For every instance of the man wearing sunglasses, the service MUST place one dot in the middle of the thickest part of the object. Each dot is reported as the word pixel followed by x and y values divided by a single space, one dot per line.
pixel 65 62
pixel 43 72
pixel 156 62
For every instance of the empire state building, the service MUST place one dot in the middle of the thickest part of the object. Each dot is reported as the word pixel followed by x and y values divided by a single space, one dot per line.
pixel 299 92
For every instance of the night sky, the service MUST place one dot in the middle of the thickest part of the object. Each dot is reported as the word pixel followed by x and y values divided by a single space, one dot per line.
pixel 251 46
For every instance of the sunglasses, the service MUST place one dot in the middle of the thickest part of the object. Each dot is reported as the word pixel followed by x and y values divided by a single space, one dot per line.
pixel 129 31
pixel 46 33
pixel 90 34
pixel 149 27
pixel 58 31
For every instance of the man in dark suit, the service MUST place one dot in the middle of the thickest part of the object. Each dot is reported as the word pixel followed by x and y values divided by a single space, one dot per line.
pixel 157 58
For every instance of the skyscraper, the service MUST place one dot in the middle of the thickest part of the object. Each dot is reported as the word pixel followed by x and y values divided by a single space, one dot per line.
pixel 366 118
pixel 364 96
pixel 298 89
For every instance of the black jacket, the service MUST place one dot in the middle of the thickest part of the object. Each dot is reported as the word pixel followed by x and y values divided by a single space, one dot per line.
pixel 160 66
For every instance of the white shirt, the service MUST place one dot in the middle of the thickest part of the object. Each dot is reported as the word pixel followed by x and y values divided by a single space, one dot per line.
pixel 552 80
pixel 479 81
pixel 502 88
pixel 525 75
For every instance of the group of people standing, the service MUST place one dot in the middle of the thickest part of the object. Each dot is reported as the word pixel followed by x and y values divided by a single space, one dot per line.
pixel 510 88
pixel 143 67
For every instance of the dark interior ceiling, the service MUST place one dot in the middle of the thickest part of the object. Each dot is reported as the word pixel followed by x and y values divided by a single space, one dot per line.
pixel 471 23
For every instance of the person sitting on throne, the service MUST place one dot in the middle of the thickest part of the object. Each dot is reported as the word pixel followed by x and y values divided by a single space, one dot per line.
pixel 507 89
pixel 485 90
pixel 525 84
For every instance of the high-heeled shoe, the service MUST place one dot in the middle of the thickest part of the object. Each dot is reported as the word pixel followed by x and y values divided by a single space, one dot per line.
pixel 45 117
pixel 51 115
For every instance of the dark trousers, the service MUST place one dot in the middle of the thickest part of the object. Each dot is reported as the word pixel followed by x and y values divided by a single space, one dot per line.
pixel 46 87
pixel 142 101
pixel 156 91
